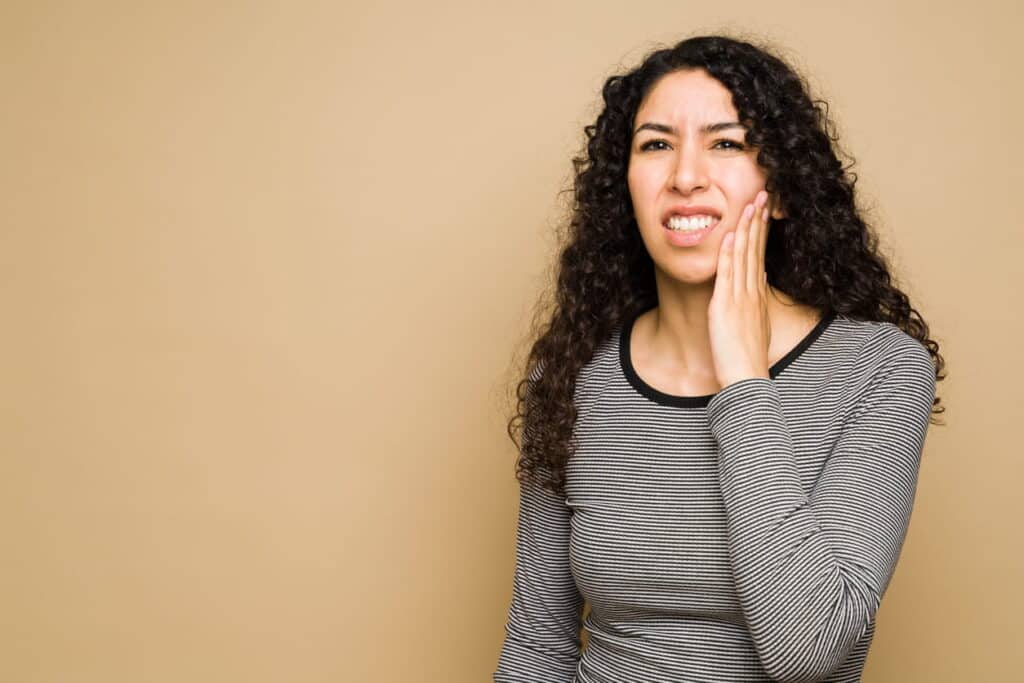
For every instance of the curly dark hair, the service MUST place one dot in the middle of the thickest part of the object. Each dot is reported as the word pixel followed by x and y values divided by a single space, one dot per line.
pixel 822 254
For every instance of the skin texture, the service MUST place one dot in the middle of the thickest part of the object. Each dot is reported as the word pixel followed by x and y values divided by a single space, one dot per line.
pixel 716 311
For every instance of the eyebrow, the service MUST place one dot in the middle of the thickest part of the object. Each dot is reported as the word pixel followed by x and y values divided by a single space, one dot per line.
pixel 707 129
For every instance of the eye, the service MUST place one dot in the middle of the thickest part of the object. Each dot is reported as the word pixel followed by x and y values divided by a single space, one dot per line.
pixel 647 145
pixel 734 145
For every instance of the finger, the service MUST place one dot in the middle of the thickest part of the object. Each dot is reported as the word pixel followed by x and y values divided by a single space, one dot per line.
pixel 723 277
pixel 739 251
pixel 753 269
pixel 763 247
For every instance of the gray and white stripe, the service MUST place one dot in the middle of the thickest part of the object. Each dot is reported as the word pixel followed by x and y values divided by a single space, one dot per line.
pixel 744 536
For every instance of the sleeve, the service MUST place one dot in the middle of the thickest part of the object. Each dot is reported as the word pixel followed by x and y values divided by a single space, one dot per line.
pixel 810 570
pixel 542 634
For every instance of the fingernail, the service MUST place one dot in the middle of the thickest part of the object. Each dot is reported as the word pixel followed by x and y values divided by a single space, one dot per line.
pixel 749 211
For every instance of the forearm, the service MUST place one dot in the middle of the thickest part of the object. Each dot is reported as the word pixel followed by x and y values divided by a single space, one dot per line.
pixel 809 572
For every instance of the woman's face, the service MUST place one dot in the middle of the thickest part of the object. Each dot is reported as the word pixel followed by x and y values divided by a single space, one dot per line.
pixel 688 157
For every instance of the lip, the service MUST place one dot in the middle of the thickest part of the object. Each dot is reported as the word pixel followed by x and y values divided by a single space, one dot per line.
pixel 683 210
pixel 689 239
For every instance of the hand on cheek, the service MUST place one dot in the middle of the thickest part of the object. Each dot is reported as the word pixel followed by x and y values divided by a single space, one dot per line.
pixel 738 313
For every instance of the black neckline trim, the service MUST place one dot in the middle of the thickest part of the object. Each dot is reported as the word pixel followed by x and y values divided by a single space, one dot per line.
pixel 626 364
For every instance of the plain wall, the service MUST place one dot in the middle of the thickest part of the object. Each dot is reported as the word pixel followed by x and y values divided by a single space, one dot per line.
pixel 266 267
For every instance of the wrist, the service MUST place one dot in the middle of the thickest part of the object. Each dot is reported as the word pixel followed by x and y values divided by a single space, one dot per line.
pixel 733 378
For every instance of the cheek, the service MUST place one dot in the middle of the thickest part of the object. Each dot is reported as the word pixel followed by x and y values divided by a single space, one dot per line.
pixel 743 181
pixel 631 183
pixel 644 179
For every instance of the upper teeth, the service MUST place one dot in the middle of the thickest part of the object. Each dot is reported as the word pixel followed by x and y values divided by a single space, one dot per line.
pixel 689 222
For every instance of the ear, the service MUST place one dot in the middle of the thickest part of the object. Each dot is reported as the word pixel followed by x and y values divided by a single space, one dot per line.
pixel 777 210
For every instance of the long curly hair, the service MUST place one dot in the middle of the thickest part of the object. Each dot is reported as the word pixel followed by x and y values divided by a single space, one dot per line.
pixel 822 254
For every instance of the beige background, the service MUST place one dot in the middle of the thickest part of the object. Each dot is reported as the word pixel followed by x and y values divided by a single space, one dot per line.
pixel 265 271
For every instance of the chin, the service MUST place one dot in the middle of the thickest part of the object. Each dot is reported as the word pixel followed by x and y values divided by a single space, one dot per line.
pixel 689 276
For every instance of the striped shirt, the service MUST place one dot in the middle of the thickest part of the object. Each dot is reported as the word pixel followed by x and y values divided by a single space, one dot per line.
pixel 747 535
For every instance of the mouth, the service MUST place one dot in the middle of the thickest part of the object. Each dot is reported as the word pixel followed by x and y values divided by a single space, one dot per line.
pixel 687 231
pixel 690 224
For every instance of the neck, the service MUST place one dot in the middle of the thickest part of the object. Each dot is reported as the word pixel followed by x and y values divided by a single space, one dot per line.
pixel 679 324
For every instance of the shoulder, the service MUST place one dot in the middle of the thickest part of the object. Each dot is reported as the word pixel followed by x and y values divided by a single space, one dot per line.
pixel 888 366
pixel 885 345
pixel 601 371
pixel 867 344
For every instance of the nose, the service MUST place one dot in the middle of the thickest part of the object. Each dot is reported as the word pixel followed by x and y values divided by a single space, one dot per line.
pixel 691 171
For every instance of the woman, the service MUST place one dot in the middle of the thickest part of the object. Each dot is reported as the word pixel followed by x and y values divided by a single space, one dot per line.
pixel 743 391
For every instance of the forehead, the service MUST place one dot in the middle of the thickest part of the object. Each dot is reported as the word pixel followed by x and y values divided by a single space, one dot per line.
pixel 684 95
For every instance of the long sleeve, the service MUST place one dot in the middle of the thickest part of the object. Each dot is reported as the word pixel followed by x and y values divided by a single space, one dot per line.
pixel 811 569
pixel 542 634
